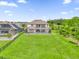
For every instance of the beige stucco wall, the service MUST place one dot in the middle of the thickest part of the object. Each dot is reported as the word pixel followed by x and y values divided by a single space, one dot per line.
pixel 32 29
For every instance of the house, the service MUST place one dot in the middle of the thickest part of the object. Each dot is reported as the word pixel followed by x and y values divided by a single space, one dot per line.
pixel 7 28
pixel 38 26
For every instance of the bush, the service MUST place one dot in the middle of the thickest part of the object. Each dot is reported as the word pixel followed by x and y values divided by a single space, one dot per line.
pixel 9 35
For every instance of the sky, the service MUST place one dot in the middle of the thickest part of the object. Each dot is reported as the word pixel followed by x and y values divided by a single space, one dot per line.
pixel 28 10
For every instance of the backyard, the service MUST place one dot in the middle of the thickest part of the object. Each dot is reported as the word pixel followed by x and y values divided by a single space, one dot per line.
pixel 50 46
pixel 2 43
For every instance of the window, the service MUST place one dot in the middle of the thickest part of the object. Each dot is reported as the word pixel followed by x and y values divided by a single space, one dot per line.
pixel 5 25
pixel 43 25
pixel 37 30
pixel 43 30
pixel 4 31
pixel 31 24
pixel 38 25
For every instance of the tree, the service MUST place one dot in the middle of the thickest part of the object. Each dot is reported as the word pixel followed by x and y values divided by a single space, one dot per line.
pixel 24 26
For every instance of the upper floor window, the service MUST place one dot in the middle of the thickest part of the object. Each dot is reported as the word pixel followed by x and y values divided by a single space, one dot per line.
pixel 38 25
pixel 31 24
pixel 4 31
pixel 43 25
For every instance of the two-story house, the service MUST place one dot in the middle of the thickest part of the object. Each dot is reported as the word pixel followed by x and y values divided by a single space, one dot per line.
pixel 38 26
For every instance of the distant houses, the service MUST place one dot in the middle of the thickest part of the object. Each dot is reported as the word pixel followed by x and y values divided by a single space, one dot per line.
pixel 38 26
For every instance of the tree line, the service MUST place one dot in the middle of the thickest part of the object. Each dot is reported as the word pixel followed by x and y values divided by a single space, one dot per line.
pixel 66 27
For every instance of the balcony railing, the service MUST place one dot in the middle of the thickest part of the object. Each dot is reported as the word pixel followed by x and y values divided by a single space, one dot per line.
pixel 38 27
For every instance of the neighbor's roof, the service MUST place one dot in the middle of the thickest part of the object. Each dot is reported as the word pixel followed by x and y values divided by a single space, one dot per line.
pixel 8 26
pixel 38 22
pixel 13 26
pixel 5 26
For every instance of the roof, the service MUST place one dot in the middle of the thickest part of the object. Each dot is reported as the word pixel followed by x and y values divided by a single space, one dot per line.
pixel 38 22
pixel 13 25
pixel 5 26
pixel 8 26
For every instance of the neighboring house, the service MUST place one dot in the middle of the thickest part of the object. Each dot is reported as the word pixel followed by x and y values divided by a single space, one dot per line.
pixel 38 26
pixel 7 28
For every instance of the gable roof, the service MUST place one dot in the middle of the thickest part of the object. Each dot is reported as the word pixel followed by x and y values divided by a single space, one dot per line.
pixel 8 25
pixel 38 22
pixel 13 25
pixel 5 26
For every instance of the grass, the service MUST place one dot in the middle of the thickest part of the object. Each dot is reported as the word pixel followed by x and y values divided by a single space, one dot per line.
pixel 41 46
pixel 2 43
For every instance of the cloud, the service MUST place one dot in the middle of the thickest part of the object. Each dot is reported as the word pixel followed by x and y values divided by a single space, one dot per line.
pixel 5 3
pixel 10 15
pixel 71 11
pixel 77 8
pixel 31 10
pixel 67 1
pixel 64 13
pixel 22 1
pixel 7 11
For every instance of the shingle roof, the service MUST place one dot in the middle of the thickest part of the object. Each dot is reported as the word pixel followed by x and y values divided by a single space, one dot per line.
pixel 5 25
pixel 38 22
pixel 14 26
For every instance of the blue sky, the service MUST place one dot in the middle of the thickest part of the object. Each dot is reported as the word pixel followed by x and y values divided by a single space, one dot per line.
pixel 27 10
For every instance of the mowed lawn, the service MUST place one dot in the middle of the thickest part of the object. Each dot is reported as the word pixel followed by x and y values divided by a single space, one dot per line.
pixel 51 46
pixel 4 42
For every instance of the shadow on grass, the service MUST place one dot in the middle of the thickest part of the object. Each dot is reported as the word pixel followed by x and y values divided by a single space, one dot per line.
pixel 7 44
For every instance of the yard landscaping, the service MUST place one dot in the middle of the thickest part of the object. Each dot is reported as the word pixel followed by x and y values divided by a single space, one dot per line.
pixel 53 46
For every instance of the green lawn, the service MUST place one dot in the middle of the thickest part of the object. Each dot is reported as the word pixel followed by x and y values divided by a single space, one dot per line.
pixel 2 43
pixel 40 46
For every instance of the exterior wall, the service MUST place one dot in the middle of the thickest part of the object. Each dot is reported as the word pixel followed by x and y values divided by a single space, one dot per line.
pixel 30 30
pixel 47 30
pixel 28 25
pixel 2 32
pixel 31 25
pixel 40 28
